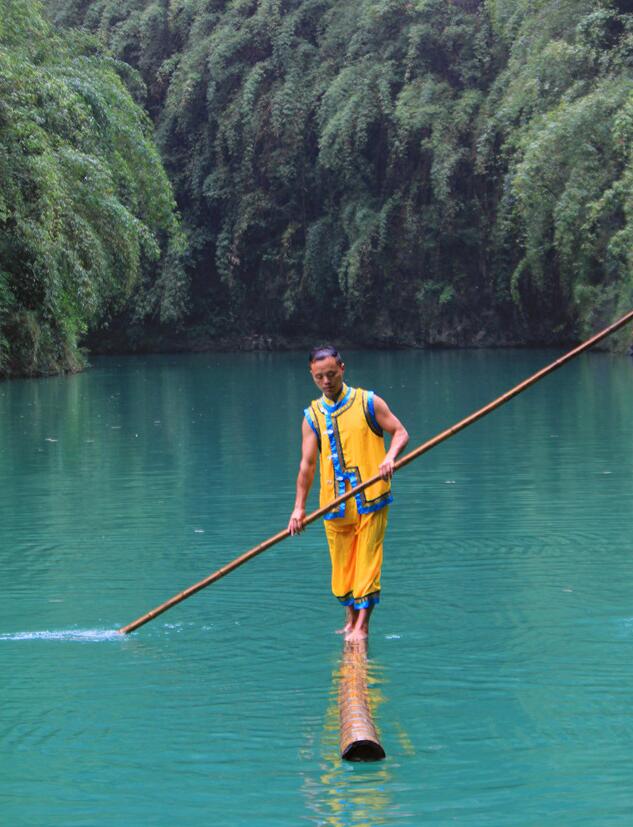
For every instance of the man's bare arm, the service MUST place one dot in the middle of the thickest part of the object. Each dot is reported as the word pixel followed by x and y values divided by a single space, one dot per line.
pixel 399 436
pixel 307 467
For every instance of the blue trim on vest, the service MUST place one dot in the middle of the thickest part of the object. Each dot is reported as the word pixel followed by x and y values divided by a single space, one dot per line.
pixel 370 408
pixel 334 408
pixel 366 509
pixel 308 416
pixel 369 509
pixel 339 474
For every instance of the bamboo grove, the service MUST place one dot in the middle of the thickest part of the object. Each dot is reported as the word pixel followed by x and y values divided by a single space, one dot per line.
pixel 379 171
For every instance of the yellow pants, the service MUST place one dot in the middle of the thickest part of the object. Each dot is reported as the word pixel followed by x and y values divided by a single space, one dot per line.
pixel 355 542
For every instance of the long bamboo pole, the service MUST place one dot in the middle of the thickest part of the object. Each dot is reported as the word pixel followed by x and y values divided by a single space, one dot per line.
pixel 422 449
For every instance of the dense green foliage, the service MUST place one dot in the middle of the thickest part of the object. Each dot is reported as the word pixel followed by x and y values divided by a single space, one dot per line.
pixel 86 211
pixel 321 154
pixel 557 131
pixel 433 171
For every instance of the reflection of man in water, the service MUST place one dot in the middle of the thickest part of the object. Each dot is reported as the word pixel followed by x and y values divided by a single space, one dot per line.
pixel 345 425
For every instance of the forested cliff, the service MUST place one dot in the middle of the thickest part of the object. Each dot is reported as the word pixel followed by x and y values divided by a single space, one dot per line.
pixel 425 172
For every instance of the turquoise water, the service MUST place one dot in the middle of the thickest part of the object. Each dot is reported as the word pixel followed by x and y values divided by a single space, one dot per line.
pixel 500 660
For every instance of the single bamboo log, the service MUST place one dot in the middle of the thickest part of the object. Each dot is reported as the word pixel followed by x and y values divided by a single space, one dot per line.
pixel 422 449
pixel 358 739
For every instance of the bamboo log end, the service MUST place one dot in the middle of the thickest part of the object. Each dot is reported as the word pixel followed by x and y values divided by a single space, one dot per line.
pixel 358 736
pixel 365 750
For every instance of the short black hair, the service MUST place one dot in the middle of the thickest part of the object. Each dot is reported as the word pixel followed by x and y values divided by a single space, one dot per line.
pixel 322 352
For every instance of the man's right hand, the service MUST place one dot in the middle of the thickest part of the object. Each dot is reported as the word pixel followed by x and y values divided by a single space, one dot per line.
pixel 295 525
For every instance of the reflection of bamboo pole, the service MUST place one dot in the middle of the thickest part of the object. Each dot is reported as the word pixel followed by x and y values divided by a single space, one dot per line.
pixel 359 739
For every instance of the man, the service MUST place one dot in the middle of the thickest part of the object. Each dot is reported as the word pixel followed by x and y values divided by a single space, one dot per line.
pixel 345 425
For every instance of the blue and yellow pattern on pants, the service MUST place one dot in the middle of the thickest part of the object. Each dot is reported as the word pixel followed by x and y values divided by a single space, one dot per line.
pixel 352 446
pixel 355 543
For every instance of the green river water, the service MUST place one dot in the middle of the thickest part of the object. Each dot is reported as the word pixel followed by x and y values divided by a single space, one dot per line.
pixel 500 662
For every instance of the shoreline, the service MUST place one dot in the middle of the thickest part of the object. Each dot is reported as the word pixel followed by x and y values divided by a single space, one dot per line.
pixel 268 343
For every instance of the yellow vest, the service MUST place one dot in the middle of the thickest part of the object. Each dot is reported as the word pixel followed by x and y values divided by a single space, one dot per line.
pixel 352 447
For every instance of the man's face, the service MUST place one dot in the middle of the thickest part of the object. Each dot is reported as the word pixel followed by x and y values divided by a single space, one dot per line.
pixel 328 376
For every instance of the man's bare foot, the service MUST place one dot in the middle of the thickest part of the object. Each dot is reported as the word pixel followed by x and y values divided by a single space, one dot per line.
pixel 356 635
pixel 350 619
pixel 360 630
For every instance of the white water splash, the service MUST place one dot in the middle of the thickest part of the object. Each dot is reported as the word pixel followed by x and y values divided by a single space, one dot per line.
pixel 77 635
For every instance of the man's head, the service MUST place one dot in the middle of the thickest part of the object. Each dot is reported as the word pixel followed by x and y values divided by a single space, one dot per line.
pixel 327 369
